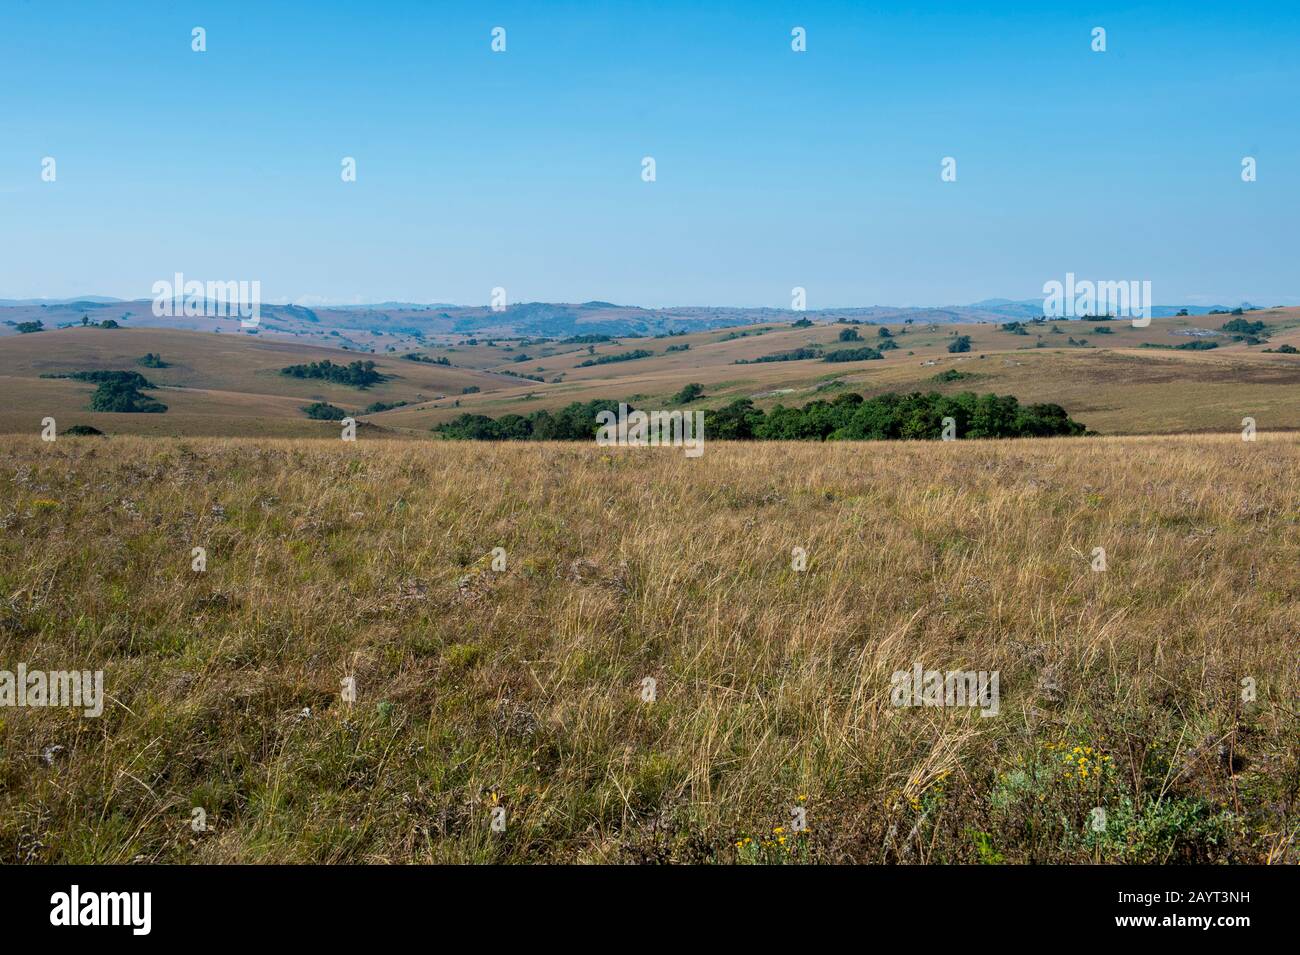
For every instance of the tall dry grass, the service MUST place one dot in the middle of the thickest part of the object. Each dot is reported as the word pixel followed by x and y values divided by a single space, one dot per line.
pixel 522 689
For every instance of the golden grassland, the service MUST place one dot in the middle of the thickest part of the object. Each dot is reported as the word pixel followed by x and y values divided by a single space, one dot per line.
pixel 523 688
pixel 230 384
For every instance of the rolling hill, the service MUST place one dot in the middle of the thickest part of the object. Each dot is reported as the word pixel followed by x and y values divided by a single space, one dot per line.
pixel 1117 379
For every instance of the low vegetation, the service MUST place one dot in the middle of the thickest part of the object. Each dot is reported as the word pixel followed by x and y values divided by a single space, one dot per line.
pixel 574 422
pixel 793 354
pixel 120 392
pixel 1161 690
pixel 356 374
pixel 850 417
pixel 324 411
pixel 853 354
pixel 632 355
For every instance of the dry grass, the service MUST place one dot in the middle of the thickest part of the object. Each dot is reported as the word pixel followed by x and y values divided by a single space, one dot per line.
pixel 229 385
pixel 522 688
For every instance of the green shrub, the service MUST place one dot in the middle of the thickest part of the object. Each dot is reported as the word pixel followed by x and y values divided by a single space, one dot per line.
pixel 357 374
pixel 324 411
pixel 865 353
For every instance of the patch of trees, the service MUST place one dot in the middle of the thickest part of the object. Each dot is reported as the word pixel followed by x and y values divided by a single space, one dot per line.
pixel 866 353
pixel 324 411
pixel 796 354
pixel 27 328
pixel 1244 330
pixel 850 417
pixel 688 394
pixel 357 374
pixel 152 360
pixel 585 340
pixel 120 392
pixel 959 344
pixel 610 359
pixel 685 346
pixel 1199 344
pixel 379 406
pixel 425 359
pixel 851 335
pixel 1284 350
pixel 574 422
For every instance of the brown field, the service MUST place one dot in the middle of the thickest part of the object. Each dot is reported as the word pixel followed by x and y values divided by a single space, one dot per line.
pixel 522 689
pixel 229 384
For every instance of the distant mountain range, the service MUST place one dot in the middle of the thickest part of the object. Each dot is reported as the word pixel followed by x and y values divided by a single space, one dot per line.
pixel 376 326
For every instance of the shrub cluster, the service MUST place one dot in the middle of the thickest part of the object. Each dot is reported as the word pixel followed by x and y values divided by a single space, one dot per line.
pixel 358 374
pixel 849 417
pixel 610 359
pixel 575 422
pixel 120 391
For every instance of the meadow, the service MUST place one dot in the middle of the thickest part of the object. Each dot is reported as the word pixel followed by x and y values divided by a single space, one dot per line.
pixel 647 670
pixel 1126 380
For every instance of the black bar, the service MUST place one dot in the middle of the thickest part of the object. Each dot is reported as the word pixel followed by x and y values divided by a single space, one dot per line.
pixel 212 904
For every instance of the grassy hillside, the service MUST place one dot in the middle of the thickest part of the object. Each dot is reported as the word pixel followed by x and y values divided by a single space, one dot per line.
pixel 212 385
pixel 523 689
pixel 1113 381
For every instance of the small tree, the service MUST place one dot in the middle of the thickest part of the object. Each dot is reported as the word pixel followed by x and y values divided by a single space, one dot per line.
pixel 688 394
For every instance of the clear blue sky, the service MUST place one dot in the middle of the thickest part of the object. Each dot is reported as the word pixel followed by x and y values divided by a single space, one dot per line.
pixel 775 169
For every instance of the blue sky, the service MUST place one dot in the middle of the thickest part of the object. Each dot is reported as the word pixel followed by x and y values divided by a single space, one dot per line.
pixel 775 169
